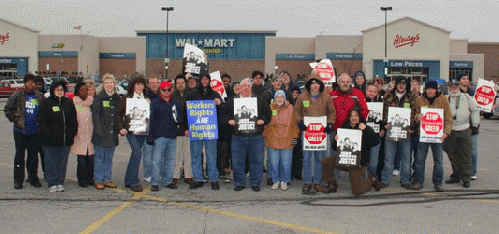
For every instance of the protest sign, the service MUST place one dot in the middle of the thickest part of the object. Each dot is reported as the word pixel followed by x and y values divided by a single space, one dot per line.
pixel 315 139
pixel 432 125
pixel 399 120
pixel 349 146
pixel 246 114
pixel 485 95
pixel 194 61
pixel 202 120
pixel 325 70
pixel 217 85
pixel 375 115
pixel 137 115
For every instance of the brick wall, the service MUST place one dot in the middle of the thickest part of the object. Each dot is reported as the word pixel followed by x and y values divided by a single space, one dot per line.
pixel 491 59
pixel 118 67
pixel 58 64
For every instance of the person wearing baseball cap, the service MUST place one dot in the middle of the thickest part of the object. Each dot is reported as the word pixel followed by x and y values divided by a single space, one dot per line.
pixel 459 143
pixel 431 98
pixel 165 122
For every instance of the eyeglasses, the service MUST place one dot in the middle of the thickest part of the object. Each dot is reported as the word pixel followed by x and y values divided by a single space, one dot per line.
pixel 167 89
pixel 59 90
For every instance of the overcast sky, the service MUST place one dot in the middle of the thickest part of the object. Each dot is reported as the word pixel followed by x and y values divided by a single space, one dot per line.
pixel 475 20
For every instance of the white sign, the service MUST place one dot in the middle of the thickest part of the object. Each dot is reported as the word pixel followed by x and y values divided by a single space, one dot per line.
pixel 400 121
pixel 246 114
pixel 485 95
pixel 349 146
pixel 217 85
pixel 137 111
pixel 314 138
pixel 432 125
pixel 375 115
pixel 325 70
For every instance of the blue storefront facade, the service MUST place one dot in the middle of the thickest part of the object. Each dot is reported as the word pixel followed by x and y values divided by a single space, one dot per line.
pixel 13 67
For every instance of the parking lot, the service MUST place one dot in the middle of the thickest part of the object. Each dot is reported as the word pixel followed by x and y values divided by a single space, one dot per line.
pixel 392 210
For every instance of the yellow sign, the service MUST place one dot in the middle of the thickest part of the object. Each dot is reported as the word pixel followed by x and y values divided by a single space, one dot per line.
pixel 212 51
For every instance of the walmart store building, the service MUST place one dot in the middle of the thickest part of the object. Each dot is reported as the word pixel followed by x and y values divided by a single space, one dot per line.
pixel 415 49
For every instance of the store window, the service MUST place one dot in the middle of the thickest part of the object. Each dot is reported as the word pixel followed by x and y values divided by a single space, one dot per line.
pixel 419 73
pixel 453 72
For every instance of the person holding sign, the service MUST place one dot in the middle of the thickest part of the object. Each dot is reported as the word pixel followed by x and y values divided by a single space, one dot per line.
pixel 83 147
pixel 247 141
pixel 136 138
pixel 400 96
pixel 58 127
pixel 431 98
pixel 359 183
pixel 281 135
pixel 459 143
pixel 105 135
pixel 203 92
pixel 375 120
pixel 313 102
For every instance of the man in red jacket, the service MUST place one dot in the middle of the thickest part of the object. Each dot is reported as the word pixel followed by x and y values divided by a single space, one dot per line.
pixel 345 98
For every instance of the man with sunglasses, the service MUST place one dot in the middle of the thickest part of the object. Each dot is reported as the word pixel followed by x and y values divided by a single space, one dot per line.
pixel 164 125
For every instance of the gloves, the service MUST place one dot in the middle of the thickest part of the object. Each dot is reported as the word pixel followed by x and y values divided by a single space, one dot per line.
pixel 150 142
pixel 295 141
pixel 328 128
pixel 474 130
pixel 302 126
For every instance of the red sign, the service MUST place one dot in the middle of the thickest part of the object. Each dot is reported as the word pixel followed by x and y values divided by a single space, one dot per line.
pixel 432 123
pixel 315 133
pixel 484 95
pixel 325 71
pixel 403 41
pixel 4 38
pixel 218 87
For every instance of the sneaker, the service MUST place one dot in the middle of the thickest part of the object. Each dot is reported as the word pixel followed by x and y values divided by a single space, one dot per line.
pixel 110 184
pixel 171 186
pixel 276 185
pixel 53 189
pixel 60 188
pixel 99 186
pixel 256 188
pixel 137 188
pixel 439 188
pixel 473 177
pixel 147 179
pixel 395 173
pixel 284 186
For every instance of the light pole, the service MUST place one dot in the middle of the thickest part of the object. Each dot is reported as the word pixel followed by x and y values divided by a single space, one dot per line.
pixel 385 60
pixel 167 59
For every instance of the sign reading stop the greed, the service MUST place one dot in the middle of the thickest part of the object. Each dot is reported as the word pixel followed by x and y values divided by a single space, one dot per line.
pixel 484 95
pixel 432 125
pixel 325 70
pixel 314 138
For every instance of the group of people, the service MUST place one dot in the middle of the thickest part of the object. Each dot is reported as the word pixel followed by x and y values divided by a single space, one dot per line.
pixel 89 125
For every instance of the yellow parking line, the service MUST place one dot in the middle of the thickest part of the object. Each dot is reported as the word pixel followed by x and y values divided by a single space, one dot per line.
pixel 230 214
pixel 106 218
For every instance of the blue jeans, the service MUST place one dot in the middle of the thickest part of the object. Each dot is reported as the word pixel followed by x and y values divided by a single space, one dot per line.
pixel 253 146
pixel 373 161
pixel 103 164
pixel 56 161
pixel 316 178
pixel 163 161
pixel 404 150
pixel 147 152
pixel 474 154
pixel 280 164
pixel 132 171
pixel 210 147
pixel 438 169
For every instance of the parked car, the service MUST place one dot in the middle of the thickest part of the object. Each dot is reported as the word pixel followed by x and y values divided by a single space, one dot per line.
pixel 15 83
pixel 7 89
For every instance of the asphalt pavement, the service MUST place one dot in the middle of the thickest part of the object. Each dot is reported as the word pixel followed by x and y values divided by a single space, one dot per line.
pixel 392 210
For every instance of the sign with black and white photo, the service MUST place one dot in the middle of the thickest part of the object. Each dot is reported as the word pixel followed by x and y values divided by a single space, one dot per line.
pixel 375 115
pixel 399 120
pixel 349 146
pixel 314 138
pixel 195 61
pixel 246 114
pixel 432 125
pixel 137 111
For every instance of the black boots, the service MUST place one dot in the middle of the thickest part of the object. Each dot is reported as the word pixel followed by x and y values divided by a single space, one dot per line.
pixel 85 171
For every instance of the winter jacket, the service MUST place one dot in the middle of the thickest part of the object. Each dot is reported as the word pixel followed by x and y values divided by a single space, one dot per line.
pixel 369 140
pixel 306 105
pixel 165 120
pixel 180 101
pixel 282 129
pixel 83 139
pixel 57 121
pixel 407 101
pixel 105 119
pixel 258 90
pixel 440 102
pixel 264 114
pixel 15 107
pixel 345 101
pixel 467 111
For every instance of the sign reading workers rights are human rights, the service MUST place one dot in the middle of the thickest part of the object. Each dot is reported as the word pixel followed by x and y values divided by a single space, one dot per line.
pixel 202 120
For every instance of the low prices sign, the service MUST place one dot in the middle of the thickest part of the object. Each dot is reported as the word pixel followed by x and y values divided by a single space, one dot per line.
pixel 315 139
pixel 432 125
pixel 484 95
pixel 217 85
pixel 325 70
